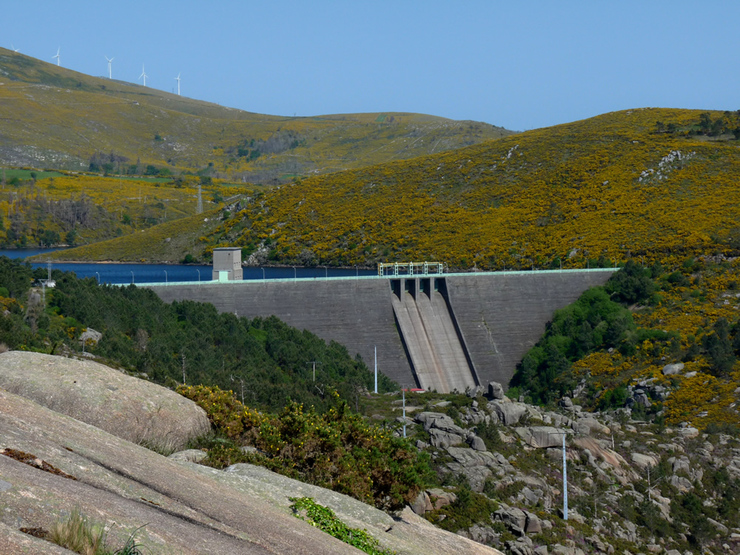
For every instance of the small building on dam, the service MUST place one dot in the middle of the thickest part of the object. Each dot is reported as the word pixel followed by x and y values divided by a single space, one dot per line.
pixel 435 331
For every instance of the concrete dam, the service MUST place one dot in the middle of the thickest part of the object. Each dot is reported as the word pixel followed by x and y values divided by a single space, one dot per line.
pixel 442 332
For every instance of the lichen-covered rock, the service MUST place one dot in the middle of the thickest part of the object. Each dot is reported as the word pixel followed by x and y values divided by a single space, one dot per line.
pixel 541 437
pixel 442 439
pixel 437 420
pixel 189 455
pixel 644 461
pixel 422 503
pixel 476 443
pixel 127 407
pixel 406 533
pixel 588 426
pixel 177 509
pixel 495 391
pixel 508 414
pixel 441 498
pixel 672 369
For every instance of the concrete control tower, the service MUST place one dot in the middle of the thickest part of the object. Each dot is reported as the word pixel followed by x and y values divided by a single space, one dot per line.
pixel 227 264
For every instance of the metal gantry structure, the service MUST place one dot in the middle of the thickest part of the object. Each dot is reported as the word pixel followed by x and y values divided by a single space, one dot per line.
pixel 395 269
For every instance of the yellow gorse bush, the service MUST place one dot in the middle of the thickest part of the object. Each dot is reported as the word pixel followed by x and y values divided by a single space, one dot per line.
pixel 224 410
pixel 337 450
pixel 608 186
pixel 684 316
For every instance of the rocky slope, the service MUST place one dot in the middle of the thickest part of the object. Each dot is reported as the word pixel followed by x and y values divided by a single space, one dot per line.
pixel 632 487
pixel 52 464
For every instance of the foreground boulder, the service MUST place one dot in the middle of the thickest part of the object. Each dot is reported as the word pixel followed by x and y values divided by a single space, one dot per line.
pixel 405 534
pixel 130 408
pixel 126 486
pixel 51 464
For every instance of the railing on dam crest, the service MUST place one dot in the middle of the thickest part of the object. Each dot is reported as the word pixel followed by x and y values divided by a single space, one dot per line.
pixel 297 279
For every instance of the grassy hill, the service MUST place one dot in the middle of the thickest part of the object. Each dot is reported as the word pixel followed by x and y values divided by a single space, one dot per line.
pixel 58 118
pixel 652 183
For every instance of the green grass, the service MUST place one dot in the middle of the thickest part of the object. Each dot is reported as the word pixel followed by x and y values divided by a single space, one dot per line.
pixel 324 519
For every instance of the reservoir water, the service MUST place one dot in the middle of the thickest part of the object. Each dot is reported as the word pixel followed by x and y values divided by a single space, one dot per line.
pixel 121 274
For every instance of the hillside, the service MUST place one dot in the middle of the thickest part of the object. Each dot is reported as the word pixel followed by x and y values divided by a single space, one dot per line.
pixel 58 118
pixel 652 183
pixel 48 208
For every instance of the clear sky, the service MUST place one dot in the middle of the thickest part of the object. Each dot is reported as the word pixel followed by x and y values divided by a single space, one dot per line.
pixel 518 64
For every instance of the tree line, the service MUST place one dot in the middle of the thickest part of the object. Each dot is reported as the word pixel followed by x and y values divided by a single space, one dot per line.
pixel 263 360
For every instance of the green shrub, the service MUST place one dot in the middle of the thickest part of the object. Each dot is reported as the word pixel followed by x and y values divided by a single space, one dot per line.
pixel 324 519
pixel 338 450
pixel 613 398
pixel 469 508
pixel 689 509
pixel 630 285
pixel 592 323
pixel 677 279
pixel 488 432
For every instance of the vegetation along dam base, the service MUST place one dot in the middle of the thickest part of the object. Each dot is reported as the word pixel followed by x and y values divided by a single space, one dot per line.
pixel 443 332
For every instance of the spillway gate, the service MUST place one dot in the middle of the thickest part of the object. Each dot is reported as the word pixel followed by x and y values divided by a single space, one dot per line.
pixel 430 335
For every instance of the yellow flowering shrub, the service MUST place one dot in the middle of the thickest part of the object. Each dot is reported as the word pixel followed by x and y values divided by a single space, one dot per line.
pixel 691 398
pixel 605 187
pixel 337 450
pixel 596 364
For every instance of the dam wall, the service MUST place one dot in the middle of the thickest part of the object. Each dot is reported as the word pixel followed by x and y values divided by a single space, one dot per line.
pixel 356 313
pixel 503 316
pixel 494 317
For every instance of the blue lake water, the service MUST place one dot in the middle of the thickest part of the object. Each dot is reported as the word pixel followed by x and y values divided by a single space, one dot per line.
pixel 120 274
pixel 23 253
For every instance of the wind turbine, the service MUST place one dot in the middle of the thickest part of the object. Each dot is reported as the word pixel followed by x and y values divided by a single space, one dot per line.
pixel 57 56
pixel 13 48
pixel 143 74
pixel 178 84
pixel 110 72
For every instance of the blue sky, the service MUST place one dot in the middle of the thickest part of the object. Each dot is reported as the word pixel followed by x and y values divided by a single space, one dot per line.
pixel 517 64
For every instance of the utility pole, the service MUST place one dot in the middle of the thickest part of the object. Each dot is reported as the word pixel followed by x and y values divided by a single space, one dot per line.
pixel 565 478
pixel 376 369
pixel 403 395
pixel 314 363
pixel 565 483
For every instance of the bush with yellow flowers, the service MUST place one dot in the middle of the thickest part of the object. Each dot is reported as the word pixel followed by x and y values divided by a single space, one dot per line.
pixel 338 449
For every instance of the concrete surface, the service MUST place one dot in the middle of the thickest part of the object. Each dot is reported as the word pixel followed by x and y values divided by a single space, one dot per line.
pixel 499 315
